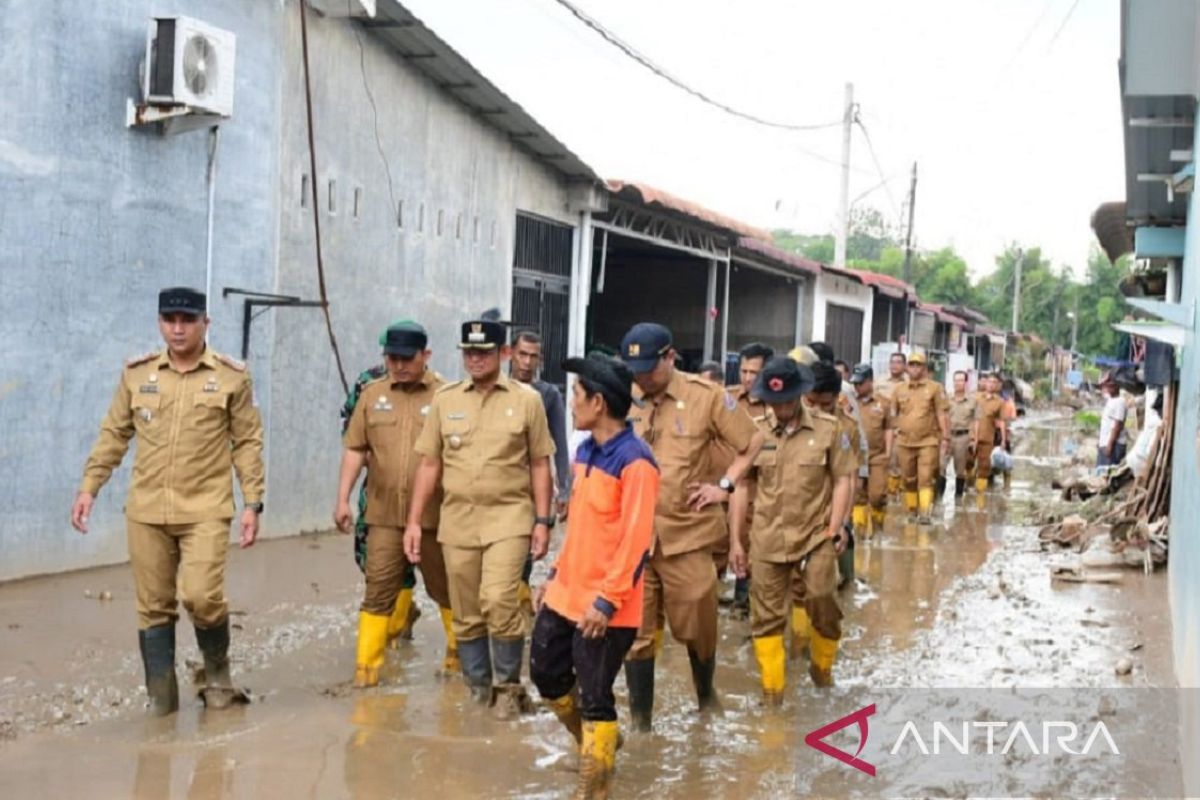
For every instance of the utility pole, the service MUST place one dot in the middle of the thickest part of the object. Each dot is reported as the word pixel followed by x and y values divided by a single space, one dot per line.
pixel 912 206
pixel 1017 292
pixel 843 229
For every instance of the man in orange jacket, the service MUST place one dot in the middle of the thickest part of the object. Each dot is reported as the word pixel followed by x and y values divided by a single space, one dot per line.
pixel 591 606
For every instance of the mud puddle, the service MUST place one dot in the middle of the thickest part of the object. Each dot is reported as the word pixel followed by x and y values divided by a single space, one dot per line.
pixel 964 603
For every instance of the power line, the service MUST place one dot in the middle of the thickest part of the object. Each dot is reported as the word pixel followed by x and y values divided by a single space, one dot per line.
pixel 878 167
pixel 1062 25
pixel 646 62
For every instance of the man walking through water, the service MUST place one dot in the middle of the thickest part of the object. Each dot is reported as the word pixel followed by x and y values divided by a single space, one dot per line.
pixel 593 601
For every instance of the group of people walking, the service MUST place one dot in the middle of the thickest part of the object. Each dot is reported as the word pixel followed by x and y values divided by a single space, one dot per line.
pixel 676 478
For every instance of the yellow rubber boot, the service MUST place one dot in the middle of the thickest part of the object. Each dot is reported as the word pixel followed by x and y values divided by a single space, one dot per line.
pixel 372 639
pixel 859 518
pixel 910 502
pixel 893 485
pixel 567 711
pixel 824 653
pixel 400 622
pixel 772 665
pixel 658 641
pixel 450 664
pixel 925 504
pixel 878 518
pixel 597 757
pixel 801 632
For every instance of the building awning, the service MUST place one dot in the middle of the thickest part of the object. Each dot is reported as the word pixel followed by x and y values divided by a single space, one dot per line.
pixel 651 197
pixel 886 284
pixel 774 256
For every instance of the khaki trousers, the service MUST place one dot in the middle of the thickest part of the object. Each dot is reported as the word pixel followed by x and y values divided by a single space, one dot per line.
pixel 960 454
pixel 484 582
pixel 386 566
pixel 919 466
pixel 872 490
pixel 187 561
pixel 810 583
pixel 983 460
pixel 683 588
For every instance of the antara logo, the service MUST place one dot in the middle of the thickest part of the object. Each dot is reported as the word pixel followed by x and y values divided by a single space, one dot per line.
pixel 976 737
pixel 814 739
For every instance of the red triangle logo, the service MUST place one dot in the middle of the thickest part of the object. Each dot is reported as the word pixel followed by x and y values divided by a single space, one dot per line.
pixel 815 739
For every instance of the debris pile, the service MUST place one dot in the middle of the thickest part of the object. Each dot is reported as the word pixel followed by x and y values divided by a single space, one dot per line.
pixel 1116 518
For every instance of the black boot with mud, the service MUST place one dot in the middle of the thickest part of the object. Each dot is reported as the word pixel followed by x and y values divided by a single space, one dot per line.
pixel 217 691
pixel 476 658
pixel 960 488
pixel 158 659
pixel 702 679
pixel 639 678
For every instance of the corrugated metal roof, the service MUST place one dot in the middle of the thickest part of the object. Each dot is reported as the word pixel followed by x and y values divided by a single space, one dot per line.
pixel 942 314
pixel 650 196
pixel 424 50
pixel 887 284
pixel 779 257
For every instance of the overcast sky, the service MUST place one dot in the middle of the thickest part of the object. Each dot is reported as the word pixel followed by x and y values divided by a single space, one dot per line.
pixel 1011 107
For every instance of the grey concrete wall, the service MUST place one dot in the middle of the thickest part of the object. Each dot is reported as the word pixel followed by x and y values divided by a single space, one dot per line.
pixel 95 218
pixel 442 162
pixel 762 309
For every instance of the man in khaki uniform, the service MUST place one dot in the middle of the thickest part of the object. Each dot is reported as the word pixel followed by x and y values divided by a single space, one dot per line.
pixel 487 440
pixel 193 414
pixel 989 422
pixel 919 416
pixel 802 478
pixel 682 416
pixel 964 414
pixel 870 499
pixel 385 425
pixel 897 376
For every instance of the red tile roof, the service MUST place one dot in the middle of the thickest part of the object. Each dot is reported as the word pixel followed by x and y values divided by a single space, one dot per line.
pixel 649 196
pixel 784 257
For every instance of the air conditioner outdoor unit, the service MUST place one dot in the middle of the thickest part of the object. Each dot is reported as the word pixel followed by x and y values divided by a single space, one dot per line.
pixel 189 63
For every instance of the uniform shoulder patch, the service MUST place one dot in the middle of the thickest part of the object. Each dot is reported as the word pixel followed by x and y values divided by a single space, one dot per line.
pixel 730 402
pixel 141 359
pixel 231 362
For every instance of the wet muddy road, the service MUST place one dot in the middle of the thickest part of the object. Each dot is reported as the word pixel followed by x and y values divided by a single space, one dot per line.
pixel 964 603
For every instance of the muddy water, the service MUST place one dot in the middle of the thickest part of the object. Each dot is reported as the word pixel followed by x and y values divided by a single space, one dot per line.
pixel 964 603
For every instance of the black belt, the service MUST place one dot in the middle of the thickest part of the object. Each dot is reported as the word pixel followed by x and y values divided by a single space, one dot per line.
pixel 963 432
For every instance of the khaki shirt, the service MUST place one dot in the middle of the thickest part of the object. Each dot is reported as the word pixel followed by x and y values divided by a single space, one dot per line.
pixel 486 443
pixel 847 418
pixel 886 386
pixel 915 408
pixel 722 453
pixel 191 428
pixel 876 422
pixel 386 423
pixel 681 428
pixel 793 478
pixel 991 410
pixel 963 411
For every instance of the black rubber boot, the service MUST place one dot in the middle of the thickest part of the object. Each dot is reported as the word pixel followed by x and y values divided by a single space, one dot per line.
pixel 741 598
pixel 158 658
pixel 639 677
pixel 941 489
pixel 218 691
pixel 960 487
pixel 846 561
pixel 476 658
pixel 702 679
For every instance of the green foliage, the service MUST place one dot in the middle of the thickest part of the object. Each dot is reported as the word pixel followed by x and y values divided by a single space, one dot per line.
pixel 942 276
pixel 1088 420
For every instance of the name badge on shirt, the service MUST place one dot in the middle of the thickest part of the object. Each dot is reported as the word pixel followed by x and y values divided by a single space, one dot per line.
pixel 383 404
pixel 211 386
pixel 148 388
pixel 456 415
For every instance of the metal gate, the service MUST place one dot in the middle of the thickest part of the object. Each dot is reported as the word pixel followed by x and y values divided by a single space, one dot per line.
pixel 541 288
pixel 843 331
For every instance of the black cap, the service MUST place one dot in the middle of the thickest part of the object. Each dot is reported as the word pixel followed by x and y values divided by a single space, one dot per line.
pixel 182 300
pixel 781 381
pixel 823 350
pixel 644 344
pixel 862 373
pixel 756 350
pixel 825 378
pixel 483 334
pixel 614 378
pixel 404 339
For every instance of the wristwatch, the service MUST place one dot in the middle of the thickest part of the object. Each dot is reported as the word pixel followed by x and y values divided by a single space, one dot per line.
pixel 549 521
pixel 725 485
pixel 255 507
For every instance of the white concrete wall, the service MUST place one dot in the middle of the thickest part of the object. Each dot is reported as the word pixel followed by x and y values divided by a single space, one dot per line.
pixel 831 288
